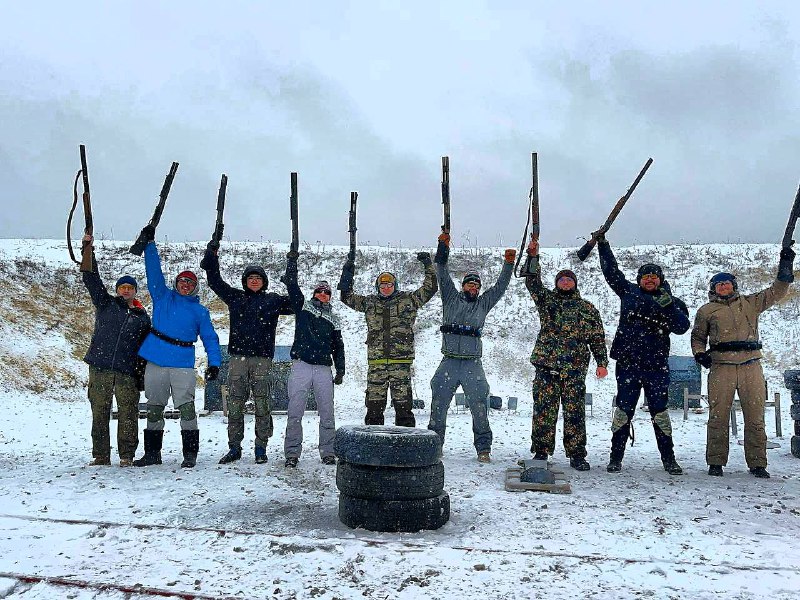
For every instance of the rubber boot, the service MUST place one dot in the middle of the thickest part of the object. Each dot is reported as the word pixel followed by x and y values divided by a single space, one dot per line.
pixel 618 442
pixel 152 448
pixel 191 445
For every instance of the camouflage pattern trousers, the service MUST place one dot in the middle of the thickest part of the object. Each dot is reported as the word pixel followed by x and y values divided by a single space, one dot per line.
pixel 104 384
pixel 249 375
pixel 551 388
pixel 395 378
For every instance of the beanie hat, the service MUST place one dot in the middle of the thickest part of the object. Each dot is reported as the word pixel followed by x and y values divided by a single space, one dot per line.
pixel 127 279
pixel 567 273
pixel 322 285
pixel 649 269
pixel 720 277
pixel 188 275
pixel 254 270
pixel 471 277
pixel 385 277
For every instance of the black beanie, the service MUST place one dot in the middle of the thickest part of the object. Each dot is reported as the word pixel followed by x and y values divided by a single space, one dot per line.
pixel 649 269
pixel 567 273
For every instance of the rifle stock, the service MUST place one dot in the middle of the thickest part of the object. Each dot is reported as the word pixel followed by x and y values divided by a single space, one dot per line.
pixel 220 227
pixel 293 214
pixel 86 252
pixel 789 233
pixel 584 251
pixel 446 193
pixel 139 245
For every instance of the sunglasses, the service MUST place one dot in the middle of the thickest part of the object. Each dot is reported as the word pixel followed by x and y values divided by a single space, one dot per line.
pixel 322 291
pixel 386 285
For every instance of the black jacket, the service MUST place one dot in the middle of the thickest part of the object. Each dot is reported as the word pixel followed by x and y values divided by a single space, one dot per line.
pixel 317 334
pixel 642 338
pixel 254 315
pixel 119 330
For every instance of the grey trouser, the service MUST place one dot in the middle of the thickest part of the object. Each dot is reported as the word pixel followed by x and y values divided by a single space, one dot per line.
pixel 246 375
pixel 468 373
pixel 162 382
pixel 104 384
pixel 303 378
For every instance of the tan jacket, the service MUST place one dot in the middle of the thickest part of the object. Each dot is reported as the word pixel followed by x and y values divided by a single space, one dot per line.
pixel 733 319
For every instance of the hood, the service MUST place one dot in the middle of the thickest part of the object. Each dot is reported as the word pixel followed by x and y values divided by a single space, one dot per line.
pixel 254 270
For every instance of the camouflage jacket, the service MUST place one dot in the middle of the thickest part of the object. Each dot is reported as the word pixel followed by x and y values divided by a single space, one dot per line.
pixel 570 328
pixel 390 321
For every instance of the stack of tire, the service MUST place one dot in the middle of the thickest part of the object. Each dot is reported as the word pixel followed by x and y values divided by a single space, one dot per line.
pixel 390 478
pixel 791 379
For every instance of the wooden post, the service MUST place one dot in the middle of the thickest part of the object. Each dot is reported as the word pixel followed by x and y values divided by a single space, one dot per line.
pixel 778 428
pixel 686 404
pixel 734 427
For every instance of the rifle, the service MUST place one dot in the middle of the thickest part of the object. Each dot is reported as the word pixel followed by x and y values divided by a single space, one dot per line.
pixel 586 249
pixel 352 222
pixel 140 244
pixel 446 193
pixel 295 245
pixel 789 233
pixel 533 212
pixel 219 227
pixel 86 250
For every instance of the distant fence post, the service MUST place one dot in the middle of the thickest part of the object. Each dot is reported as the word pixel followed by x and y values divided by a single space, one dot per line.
pixel 778 428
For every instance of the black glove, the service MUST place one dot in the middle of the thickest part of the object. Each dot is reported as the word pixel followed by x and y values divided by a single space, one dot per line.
pixel 663 298
pixel 337 380
pixel 703 359
pixel 788 254
pixel 208 258
pixel 211 374
pixel 785 265
pixel 442 253
pixel 424 258
pixel 148 233
pixel 348 274
pixel 213 246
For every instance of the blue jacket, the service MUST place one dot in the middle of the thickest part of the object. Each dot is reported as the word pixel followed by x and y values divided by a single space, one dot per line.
pixel 179 317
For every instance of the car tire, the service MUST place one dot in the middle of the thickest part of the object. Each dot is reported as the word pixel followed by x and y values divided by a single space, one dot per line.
pixel 390 483
pixel 394 515
pixel 387 446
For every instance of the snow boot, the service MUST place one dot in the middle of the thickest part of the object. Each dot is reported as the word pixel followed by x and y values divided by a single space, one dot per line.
pixel 291 463
pixel 191 445
pixel 539 455
pixel 235 453
pixel 100 462
pixel 760 472
pixel 579 464
pixel 618 441
pixel 715 470
pixel 152 448
pixel 261 455
pixel 671 466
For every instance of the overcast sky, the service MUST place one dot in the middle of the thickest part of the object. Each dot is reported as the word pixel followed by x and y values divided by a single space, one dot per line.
pixel 367 96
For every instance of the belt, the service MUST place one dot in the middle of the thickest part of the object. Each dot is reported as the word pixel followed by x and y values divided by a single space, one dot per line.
pixel 171 340
pixel 467 330
pixel 390 361
pixel 735 346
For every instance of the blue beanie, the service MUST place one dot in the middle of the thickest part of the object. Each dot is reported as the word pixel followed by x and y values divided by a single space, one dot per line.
pixel 721 277
pixel 127 279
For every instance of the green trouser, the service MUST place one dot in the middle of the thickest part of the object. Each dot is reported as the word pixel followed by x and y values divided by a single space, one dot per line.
pixel 551 388
pixel 396 377
pixel 104 384
pixel 249 375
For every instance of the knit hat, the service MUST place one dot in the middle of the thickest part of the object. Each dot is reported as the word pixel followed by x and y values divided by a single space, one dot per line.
pixel 254 270
pixel 471 277
pixel 188 275
pixel 649 269
pixel 721 277
pixel 322 285
pixel 127 279
pixel 567 273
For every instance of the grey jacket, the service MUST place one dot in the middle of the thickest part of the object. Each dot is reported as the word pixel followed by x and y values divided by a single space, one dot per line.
pixel 457 310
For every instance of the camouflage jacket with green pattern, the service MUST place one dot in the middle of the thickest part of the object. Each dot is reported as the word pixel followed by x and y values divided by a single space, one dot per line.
pixel 390 321
pixel 570 327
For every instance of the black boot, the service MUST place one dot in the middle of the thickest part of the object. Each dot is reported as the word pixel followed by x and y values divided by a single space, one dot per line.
pixel 618 441
pixel 667 450
pixel 152 448
pixel 403 416
pixel 191 445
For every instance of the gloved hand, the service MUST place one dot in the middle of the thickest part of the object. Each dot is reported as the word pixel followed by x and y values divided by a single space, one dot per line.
pixel 703 359
pixel 211 374
pixel 337 380
pixel 444 237
pixel 533 248
pixel 213 246
pixel 788 254
pixel 292 255
pixel 785 265
pixel 663 297
pixel 148 233
pixel 424 258
pixel 509 255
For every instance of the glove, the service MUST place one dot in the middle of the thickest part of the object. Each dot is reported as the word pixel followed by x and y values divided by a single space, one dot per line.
pixel 292 255
pixel 148 233
pixel 703 359
pixel 213 246
pixel 348 274
pixel 442 250
pixel 663 298
pixel 211 374
pixel 208 258
pixel 533 248
pixel 787 254
pixel 599 235
pixel 785 266
pixel 337 380
pixel 509 255
pixel 444 238
pixel 424 258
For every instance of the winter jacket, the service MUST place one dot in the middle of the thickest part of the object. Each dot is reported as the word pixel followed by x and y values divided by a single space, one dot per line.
pixel 317 332
pixel 179 317
pixel 733 319
pixel 254 315
pixel 457 310
pixel 642 338
pixel 570 327
pixel 119 329
pixel 390 321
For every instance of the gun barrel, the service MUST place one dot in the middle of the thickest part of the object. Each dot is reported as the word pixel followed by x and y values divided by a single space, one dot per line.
pixel 84 169
pixel 223 188
pixel 535 196
pixel 293 213
pixel 446 193
pixel 790 226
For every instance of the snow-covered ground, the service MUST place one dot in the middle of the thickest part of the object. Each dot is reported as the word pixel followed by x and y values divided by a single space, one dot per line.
pixel 640 533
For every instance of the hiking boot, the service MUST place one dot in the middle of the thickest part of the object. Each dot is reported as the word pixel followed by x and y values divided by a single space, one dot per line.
pixel 715 470
pixel 672 467
pixel 152 448
pixel 291 463
pixel 614 466
pixel 234 453
pixel 579 464
pixel 760 472
pixel 328 460
pixel 484 457
pixel 191 446
pixel 125 462
pixel 539 455
pixel 261 455
pixel 100 462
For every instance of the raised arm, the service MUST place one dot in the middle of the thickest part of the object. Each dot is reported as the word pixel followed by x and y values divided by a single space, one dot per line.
pixel 429 286
pixel 533 274
pixel 780 287
pixel 296 297
pixel 155 276
pixel 94 284
pixel 608 264
pixel 492 296
pixel 210 264
pixel 446 286
pixel 354 301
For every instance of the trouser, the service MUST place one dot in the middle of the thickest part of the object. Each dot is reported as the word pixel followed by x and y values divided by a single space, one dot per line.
pixel 303 378
pixel 630 382
pixel 397 378
pixel 249 375
pixel 104 384
pixel 162 382
pixel 551 388
pixel 723 382
pixel 468 373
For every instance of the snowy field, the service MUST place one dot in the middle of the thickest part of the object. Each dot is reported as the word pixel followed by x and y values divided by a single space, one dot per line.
pixel 257 531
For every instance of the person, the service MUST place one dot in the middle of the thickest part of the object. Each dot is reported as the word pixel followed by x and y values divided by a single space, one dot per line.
pixel 253 320
pixel 178 319
pixel 570 328
pixel 317 345
pixel 390 316
pixel 463 317
pixel 649 313
pixel 729 324
pixel 121 323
